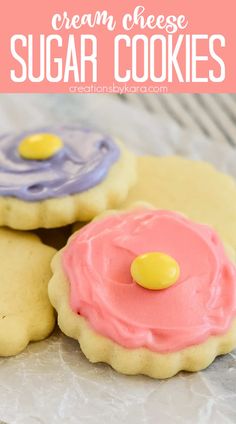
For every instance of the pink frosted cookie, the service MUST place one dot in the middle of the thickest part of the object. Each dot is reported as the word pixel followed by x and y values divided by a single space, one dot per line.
pixel 147 291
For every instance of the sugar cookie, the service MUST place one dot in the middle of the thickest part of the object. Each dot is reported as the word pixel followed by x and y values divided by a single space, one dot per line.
pixel 194 188
pixel 25 311
pixel 54 176
pixel 146 330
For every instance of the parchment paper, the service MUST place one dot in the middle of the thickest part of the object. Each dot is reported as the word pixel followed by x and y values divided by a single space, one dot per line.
pixel 51 382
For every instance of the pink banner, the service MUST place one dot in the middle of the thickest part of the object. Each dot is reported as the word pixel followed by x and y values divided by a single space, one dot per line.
pixel 122 47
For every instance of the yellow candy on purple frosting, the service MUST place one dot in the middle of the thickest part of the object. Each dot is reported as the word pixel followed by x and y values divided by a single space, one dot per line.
pixel 40 146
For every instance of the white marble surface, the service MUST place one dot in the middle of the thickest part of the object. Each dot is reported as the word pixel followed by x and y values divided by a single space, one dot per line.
pixel 52 382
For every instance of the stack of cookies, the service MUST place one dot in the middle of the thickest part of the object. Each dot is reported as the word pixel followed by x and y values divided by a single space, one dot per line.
pixel 147 280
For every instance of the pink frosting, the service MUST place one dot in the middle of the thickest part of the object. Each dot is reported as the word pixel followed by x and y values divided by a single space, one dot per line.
pixel 202 303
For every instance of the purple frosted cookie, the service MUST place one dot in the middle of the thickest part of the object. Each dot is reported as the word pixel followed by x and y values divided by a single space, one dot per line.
pixel 54 176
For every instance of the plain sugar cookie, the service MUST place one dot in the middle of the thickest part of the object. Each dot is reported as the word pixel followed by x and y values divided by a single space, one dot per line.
pixel 25 311
pixel 192 187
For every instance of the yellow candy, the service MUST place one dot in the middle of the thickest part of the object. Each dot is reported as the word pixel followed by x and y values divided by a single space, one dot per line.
pixel 155 270
pixel 40 146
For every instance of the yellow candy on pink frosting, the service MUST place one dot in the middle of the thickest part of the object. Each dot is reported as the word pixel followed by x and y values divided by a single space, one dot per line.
pixel 201 303
pixel 155 270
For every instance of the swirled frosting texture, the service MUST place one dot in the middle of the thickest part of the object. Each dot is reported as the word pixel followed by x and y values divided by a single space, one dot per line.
pixel 201 303
pixel 82 163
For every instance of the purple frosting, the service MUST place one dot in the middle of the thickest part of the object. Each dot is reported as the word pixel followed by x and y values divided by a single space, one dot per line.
pixel 82 163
